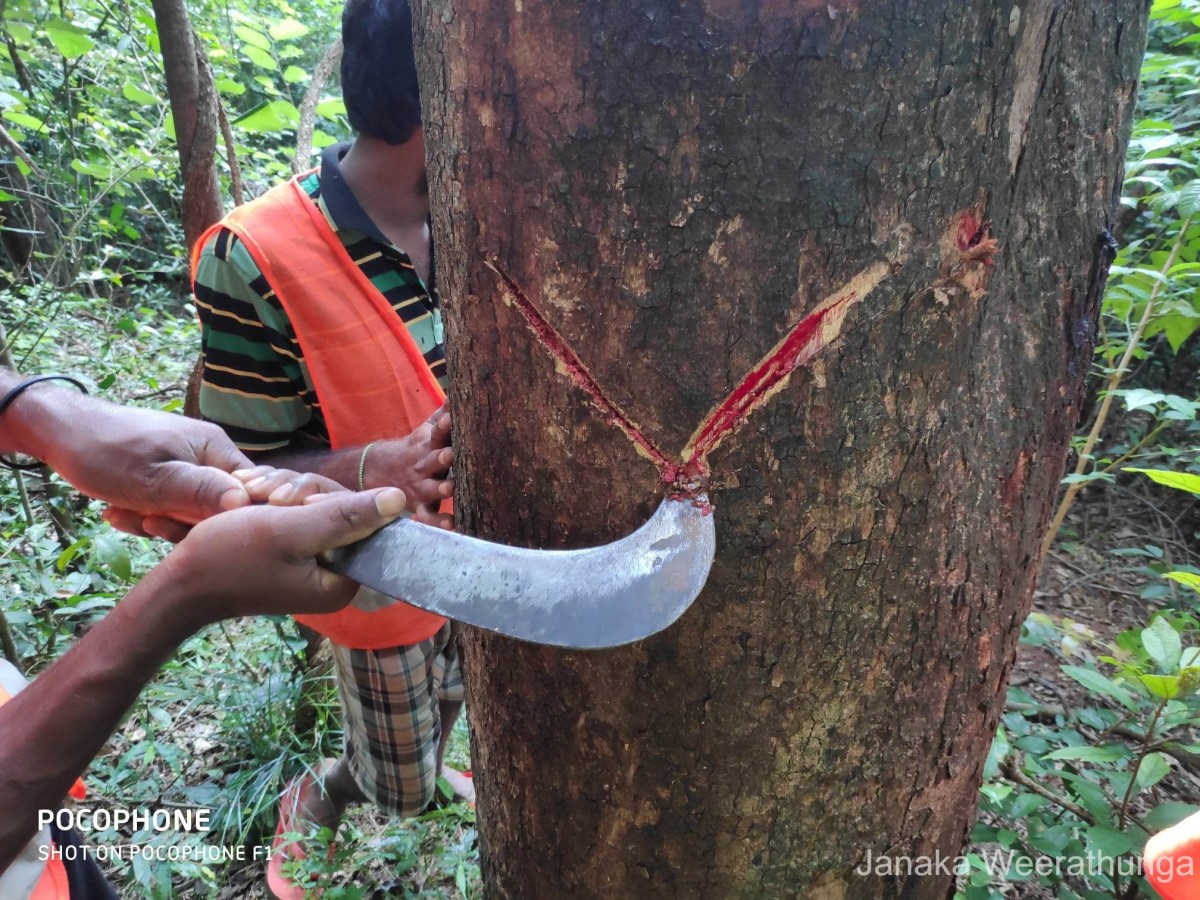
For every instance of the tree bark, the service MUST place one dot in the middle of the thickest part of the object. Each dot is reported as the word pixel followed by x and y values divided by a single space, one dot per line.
pixel 194 110
pixel 674 185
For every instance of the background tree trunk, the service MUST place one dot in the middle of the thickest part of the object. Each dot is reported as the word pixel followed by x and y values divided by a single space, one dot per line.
pixel 194 109
pixel 674 185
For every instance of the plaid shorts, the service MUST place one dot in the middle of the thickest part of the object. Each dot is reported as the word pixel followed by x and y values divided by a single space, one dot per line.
pixel 390 712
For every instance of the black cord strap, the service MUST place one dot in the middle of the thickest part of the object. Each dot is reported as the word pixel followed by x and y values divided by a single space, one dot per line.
pixel 8 399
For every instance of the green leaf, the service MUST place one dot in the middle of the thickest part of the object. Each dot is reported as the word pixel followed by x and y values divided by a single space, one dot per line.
pixel 1051 841
pixel 138 95
pixel 1090 796
pixel 70 40
pixel 252 36
pixel 278 115
pixel 111 551
pixel 94 170
pixel 1107 753
pixel 288 30
pixel 331 108
pixel 1108 841
pixel 1162 643
pixel 1185 578
pixel 999 750
pixel 1097 683
pixel 1140 398
pixel 1189 199
pixel 294 75
pixel 261 58
pixel 230 87
pixel 323 139
pixel 20 32
pixel 1167 814
pixel 1182 481
pixel 1085 477
pixel 1165 687
pixel 1154 768
pixel 23 119
pixel 64 558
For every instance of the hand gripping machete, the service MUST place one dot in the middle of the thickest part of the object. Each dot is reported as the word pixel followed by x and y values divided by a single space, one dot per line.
pixel 583 599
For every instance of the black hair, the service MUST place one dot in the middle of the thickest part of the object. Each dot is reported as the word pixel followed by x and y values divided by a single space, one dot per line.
pixel 379 73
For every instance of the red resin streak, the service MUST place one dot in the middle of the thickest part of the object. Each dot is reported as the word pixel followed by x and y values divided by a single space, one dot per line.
pixel 798 347
pixel 574 367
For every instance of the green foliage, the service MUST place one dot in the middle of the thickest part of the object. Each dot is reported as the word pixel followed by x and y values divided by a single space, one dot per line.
pixel 1156 275
pixel 1071 793
pixel 104 293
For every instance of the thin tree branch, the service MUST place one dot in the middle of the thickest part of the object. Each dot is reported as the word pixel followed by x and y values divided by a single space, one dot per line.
pixel 20 151
pixel 235 169
pixel 308 106
pixel 1015 775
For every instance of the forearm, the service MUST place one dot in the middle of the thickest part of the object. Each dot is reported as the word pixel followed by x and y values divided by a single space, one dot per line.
pixel 50 731
pixel 29 424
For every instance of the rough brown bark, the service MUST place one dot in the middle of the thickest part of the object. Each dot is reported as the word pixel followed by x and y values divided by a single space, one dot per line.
pixel 674 184
pixel 194 110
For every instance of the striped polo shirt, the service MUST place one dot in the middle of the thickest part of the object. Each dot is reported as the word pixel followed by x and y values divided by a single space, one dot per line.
pixel 256 383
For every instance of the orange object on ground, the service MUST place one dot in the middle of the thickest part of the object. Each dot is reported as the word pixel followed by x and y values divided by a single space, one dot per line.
pixel 1171 860
pixel 53 884
pixel 280 886
pixel 369 374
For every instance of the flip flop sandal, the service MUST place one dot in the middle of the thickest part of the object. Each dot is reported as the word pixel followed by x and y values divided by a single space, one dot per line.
pixel 279 885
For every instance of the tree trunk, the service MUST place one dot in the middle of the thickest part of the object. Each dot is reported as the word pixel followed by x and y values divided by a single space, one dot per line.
pixel 673 186
pixel 194 109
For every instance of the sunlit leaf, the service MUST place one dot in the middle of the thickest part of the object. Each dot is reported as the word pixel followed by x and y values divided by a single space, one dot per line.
pixel 288 30
pixel 70 40
pixel 278 115
pixel 253 37
pixel 1165 687
pixel 1097 683
pixel 1183 481
pixel 1107 753
pixel 1189 199
pixel 138 95
pixel 331 108
pixel 1162 643
pixel 260 57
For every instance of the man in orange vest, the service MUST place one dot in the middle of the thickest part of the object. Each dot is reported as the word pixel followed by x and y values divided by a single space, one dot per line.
pixel 160 474
pixel 322 341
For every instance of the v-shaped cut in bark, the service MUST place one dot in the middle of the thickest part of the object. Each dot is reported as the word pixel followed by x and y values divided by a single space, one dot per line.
pixel 574 368
pixel 803 341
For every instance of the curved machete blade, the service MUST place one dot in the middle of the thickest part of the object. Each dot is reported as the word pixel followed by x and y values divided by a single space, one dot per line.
pixel 597 597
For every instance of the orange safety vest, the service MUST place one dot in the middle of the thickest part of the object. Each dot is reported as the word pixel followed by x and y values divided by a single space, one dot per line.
pixel 53 883
pixel 370 377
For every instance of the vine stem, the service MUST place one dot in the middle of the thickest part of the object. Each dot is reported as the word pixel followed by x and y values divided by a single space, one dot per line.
pixel 1137 765
pixel 1114 381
